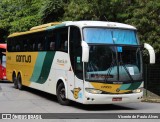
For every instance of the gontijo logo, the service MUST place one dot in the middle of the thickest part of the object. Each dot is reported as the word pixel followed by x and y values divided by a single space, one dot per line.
pixel 23 58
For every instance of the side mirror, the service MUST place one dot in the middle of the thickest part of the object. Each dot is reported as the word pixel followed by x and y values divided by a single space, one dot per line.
pixel 151 52
pixel 85 51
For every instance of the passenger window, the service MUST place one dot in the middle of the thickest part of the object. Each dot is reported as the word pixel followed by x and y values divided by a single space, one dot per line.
pixel 62 39
pixel 41 42
pixel 52 45
pixel 40 47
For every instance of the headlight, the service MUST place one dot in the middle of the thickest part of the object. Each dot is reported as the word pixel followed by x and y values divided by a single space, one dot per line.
pixel 138 90
pixel 93 91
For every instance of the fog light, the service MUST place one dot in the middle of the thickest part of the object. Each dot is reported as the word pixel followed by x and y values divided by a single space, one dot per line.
pixel 93 91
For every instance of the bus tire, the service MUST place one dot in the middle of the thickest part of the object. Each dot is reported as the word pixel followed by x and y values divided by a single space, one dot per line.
pixel 61 95
pixel 14 79
pixel 19 82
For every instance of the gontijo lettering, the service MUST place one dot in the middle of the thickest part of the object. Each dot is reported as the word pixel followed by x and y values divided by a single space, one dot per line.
pixel 23 58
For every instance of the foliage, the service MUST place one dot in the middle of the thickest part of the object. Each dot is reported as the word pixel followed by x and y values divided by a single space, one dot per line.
pixel 17 15
pixel 146 18
pixel 145 15
pixel 52 10
pixel 105 10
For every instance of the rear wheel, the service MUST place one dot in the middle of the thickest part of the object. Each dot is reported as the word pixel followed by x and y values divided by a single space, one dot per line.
pixel 14 79
pixel 19 82
pixel 61 95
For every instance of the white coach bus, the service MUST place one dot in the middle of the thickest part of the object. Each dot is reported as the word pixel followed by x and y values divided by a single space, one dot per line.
pixel 90 62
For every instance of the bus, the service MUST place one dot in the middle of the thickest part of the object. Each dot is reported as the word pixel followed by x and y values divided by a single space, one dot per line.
pixel 2 61
pixel 89 62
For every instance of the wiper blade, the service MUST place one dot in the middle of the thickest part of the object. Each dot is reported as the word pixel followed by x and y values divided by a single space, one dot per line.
pixel 125 68
pixel 127 72
pixel 110 69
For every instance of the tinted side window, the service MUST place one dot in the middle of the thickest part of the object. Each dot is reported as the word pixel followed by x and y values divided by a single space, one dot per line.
pixel 41 42
pixel 76 51
pixel 62 39
pixel 9 44
pixel 29 42
pixel 51 41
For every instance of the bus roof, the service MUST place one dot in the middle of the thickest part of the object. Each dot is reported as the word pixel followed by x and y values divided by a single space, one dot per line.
pixel 99 24
pixel 80 24
pixel 35 29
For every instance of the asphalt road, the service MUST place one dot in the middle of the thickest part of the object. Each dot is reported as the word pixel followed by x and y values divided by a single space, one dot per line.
pixel 33 101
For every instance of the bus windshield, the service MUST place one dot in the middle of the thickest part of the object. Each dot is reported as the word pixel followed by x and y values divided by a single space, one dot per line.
pixel 110 36
pixel 113 60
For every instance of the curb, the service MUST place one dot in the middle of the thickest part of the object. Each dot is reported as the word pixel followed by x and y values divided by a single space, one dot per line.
pixel 151 100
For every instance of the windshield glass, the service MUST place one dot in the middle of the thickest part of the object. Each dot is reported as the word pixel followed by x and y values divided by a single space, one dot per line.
pixel 114 55
pixel 113 64
pixel 110 36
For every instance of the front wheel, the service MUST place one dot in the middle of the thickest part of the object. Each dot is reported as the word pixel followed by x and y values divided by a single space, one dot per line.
pixel 61 95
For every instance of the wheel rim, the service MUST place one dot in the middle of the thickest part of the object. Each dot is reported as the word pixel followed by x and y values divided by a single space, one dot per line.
pixel 62 94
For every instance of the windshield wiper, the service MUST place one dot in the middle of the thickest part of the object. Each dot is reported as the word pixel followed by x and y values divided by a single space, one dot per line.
pixel 110 69
pixel 128 72
pixel 121 62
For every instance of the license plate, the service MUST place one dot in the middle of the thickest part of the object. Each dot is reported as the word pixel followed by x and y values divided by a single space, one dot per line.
pixel 117 99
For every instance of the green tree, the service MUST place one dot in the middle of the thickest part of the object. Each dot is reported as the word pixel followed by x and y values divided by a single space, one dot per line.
pixel 17 15
pixel 145 15
pixel 52 10
pixel 105 10
pixel 28 15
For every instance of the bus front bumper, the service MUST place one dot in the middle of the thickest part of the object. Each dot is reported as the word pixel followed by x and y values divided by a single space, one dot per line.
pixel 112 98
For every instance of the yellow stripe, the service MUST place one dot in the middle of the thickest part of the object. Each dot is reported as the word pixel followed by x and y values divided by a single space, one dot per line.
pixel 111 88
pixel 24 33
pixel 35 29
